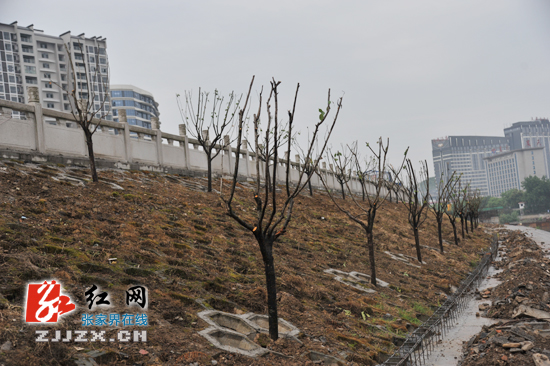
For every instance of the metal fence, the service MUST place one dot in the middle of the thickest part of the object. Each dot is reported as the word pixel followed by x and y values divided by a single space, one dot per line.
pixel 418 345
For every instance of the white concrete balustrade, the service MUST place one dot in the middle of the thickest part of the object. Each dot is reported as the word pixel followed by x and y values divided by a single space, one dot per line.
pixel 42 134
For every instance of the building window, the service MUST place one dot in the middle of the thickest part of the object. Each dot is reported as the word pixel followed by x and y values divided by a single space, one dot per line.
pixel 43 45
pixel 46 65
pixel 65 97
pixel 45 55
pixel 50 105
pixel 25 37
pixel 47 75
pixel 30 69
pixel 63 77
pixel 48 86
pixel 66 107
pixel 28 59
pixel 49 95
pixel 29 80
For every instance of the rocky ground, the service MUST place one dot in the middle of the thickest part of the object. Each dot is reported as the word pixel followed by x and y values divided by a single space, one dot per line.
pixel 169 235
pixel 522 337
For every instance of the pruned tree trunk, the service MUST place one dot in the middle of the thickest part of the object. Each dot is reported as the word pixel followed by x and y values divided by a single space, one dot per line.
pixel 372 261
pixel 453 223
pixel 472 223
pixel 439 222
pixel 91 155
pixel 462 226
pixel 270 278
pixel 343 190
pixel 417 244
pixel 209 170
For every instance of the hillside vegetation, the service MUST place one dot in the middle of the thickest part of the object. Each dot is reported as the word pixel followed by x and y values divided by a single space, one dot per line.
pixel 175 239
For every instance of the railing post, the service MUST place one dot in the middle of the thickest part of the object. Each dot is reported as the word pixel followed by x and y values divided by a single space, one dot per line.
pixel 127 141
pixel 183 132
pixel 34 100
pixel 156 127
pixel 227 141
pixel 244 146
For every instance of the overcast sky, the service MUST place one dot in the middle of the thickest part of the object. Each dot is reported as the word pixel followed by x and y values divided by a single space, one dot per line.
pixel 408 70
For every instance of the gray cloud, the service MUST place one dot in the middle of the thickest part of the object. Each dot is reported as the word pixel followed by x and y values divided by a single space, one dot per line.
pixel 411 71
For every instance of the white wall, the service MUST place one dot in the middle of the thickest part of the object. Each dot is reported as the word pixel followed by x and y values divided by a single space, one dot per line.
pixel 120 142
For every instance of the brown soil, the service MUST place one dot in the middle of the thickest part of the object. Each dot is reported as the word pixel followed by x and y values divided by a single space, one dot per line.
pixel 525 280
pixel 181 245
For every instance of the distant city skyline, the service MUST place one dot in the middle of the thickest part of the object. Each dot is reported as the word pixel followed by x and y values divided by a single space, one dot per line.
pixel 410 71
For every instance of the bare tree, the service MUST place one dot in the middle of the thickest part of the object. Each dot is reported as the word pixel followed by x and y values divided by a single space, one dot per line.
pixel 210 135
pixel 307 168
pixel 362 179
pixel 342 168
pixel 473 205
pixel 416 201
pixel 88 98
pixel 441 201
pixel 364 212
pixel 273 215
pixel 452 210
pixel 472 208
pixel 460 205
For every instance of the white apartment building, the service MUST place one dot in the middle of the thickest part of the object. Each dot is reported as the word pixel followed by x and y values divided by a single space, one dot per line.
pixel 140 105
pixel 507 170
pixel 31 58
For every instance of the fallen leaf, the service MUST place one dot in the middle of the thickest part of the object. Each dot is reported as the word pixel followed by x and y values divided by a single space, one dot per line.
pixel 143 352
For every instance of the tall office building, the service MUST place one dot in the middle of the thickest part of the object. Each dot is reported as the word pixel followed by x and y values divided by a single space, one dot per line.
pixel 139 104
pixel 465 155
pixel 530 134
pixel 496 164
pixel 31 58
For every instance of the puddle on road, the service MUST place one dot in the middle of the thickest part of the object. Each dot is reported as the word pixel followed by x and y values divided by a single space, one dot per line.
pixel 449 350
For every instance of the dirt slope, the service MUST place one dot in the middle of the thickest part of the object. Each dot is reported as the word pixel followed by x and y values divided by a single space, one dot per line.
pixel 178 242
